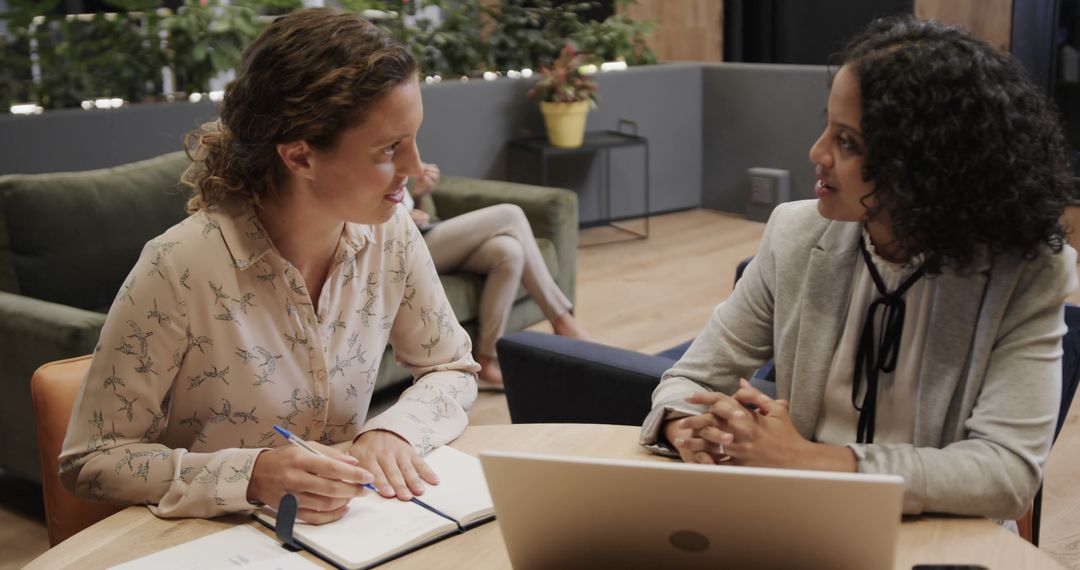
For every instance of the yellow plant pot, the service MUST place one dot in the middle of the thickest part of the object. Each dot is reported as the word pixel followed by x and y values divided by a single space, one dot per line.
pixel 565 122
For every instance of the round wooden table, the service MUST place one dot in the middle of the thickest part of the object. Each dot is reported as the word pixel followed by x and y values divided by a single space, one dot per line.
pixel 135 532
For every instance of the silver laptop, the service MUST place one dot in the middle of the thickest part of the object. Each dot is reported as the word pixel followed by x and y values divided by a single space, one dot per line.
pixel 567 512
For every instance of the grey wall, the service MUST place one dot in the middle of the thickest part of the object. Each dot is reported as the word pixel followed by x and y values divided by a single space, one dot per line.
pixel 759 115
pixel 667 106
pixel 466 125
pixel 74 139
pixel 706 124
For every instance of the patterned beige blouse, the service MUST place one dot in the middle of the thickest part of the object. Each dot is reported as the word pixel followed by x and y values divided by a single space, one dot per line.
pixel 213 339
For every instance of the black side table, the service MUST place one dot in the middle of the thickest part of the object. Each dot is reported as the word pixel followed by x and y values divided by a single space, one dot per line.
pixel 540 150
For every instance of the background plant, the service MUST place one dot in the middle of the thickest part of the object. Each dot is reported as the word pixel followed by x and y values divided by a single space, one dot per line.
pixel 123 55
pixel 618 37
pixel 395 6
pixel 206 37
pixel 448 46
pixel 455 47
pixel 15 83
pixel 114 54
pixel 563 81
pixel 529 33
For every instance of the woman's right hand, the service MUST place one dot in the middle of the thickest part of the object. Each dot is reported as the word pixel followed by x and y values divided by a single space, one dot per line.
pixel 323 485
pixel 679 434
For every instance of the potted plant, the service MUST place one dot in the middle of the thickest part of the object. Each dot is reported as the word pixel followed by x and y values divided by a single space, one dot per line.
pixel 565 95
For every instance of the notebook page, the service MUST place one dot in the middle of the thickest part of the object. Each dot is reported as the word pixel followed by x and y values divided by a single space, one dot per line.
pixel 462 490
pixel 373 528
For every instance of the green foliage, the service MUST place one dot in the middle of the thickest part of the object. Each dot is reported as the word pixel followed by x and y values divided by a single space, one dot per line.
pixel 453 48
pixel 460 41
pixel 617 37
pixel 123 54
pixel 206 37
pixel 276 6
pixel 521 34
pixel 563 81
pixel 395 6
pixel 15 84
pixel 103 55
pixel 528 33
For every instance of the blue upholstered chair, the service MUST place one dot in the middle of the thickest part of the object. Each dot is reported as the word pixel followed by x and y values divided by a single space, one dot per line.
pixel 556 379
pixel 563 380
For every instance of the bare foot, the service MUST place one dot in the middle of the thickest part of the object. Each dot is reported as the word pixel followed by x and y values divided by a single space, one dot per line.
pixel 567 325
pixel 489 369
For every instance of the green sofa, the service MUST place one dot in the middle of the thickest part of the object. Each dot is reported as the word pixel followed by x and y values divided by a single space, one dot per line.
pixel 68 240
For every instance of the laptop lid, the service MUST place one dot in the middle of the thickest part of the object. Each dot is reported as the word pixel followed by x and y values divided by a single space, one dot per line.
pixel 564 512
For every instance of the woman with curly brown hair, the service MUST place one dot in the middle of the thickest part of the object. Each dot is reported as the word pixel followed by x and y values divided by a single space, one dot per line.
pixel 272 303
pixel 915 309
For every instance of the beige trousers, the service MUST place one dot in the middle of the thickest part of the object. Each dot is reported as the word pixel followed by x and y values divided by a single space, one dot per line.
pixel 498 242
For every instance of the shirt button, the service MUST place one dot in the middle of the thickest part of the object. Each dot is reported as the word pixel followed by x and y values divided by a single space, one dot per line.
pixel 322 375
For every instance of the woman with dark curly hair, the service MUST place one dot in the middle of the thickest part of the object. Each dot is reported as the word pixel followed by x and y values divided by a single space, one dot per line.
pixel 915 309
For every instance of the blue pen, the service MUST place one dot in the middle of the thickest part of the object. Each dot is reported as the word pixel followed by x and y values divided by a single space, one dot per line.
pixel 288 435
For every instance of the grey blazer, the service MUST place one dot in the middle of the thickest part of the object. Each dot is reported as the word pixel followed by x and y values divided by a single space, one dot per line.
pixel 990 382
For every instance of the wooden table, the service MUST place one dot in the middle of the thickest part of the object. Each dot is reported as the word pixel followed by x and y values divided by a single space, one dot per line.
pixel 134 532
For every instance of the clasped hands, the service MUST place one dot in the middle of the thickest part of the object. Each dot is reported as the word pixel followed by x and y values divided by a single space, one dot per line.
pixel 746 428
pixel 323 486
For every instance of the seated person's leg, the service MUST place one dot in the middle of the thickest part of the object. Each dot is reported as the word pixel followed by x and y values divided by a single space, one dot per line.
pixel 537 279
pixel 501 258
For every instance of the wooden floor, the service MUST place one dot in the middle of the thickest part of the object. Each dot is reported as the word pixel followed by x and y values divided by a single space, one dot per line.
pixel 651 294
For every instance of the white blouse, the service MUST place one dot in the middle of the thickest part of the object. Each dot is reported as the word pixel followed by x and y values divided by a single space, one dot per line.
pixel 898 390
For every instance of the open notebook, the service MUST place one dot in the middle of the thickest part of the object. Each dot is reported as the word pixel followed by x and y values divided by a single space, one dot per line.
pixel 377 529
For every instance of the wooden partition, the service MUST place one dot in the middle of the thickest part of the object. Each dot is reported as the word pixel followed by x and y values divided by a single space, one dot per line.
pixel 990 20
pixel 687 30
pixel 692 30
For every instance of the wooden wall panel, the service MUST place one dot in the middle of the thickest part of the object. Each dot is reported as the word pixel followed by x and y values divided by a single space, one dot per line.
pixel 687 30
pixel 990 20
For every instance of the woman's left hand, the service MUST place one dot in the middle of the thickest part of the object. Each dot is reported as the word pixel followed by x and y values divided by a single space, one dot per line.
pixel 398 470
pixel 427 181
pixel 754 429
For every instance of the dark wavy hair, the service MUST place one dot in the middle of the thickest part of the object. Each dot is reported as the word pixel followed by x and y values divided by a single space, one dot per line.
pixel 965 152
pixel 310 76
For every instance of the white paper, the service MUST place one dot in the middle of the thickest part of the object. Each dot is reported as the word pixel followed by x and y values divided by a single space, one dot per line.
pixel 238 547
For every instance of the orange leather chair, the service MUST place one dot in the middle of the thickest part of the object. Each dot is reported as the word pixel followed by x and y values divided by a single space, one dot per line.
pixel 53 389
pixel 1025 525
